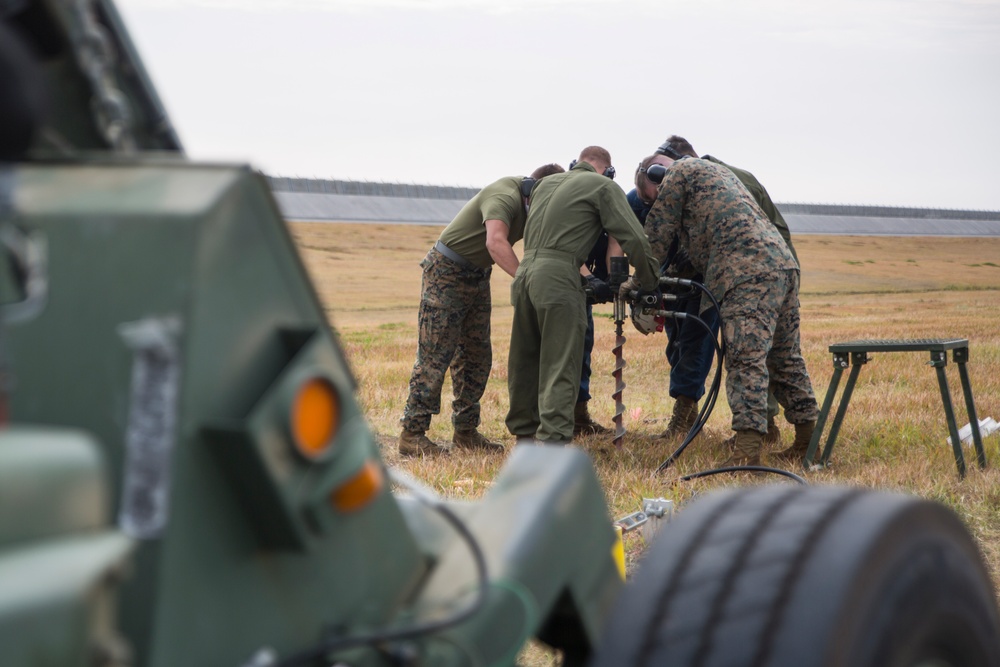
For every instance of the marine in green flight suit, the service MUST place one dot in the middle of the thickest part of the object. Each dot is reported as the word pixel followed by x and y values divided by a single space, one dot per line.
pixel 566 214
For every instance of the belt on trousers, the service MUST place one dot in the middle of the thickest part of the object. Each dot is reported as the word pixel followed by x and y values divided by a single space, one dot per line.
pixel 455 257
pixel 549 253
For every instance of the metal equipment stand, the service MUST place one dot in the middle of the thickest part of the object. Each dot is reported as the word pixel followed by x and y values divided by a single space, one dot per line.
pixel 857 352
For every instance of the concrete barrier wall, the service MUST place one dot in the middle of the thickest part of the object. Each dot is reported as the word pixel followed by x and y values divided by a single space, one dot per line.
pixel 877 226
pixel 316 200
pixel 308 207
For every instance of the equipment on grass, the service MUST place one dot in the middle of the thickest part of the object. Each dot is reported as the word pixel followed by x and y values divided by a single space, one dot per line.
pixel 187 477
pixel 648 313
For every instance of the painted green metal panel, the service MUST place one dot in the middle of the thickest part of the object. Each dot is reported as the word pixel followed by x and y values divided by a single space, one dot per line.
pixel 204 248
pixel 176 326
pixel 51 482
pixel 57 600
pixel 547 539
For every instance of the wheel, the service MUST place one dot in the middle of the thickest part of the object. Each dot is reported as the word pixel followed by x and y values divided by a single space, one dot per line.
pixel 799 576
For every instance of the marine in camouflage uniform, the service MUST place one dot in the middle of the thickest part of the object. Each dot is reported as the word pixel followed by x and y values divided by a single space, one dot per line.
pixel 454 318
pixel 568 213
pixel 763 199
pixel 690 349
pixel 749 268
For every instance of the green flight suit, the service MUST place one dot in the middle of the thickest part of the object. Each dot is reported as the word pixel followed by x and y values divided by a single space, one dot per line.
pixel 566 215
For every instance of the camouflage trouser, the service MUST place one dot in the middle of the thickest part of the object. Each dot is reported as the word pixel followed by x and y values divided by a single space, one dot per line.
pixel 454 331
pixel 760 323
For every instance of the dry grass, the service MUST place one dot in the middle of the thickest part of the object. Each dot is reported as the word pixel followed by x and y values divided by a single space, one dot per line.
pixel 852 287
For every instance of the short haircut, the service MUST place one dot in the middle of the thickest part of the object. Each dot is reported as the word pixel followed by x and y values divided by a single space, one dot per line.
pixel 546 170
pixel 681 145
pixel 595 153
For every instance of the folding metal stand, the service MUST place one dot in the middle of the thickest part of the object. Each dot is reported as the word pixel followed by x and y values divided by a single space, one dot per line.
pixel 855 353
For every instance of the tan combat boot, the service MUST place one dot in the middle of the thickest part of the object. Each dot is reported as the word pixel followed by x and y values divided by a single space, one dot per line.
pixel 683 418
pixel 415 443
pixel 797 452
pixel 473 439
pixel 583 424
pixel 773 436
pixel 746 449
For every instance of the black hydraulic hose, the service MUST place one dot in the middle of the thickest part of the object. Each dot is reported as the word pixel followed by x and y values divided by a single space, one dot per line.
pixel 713 393
pixel 767 469
pixel 313 654
pixel 707 406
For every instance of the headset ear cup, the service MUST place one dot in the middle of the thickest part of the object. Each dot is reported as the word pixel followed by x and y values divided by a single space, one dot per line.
pixel 656 172
pixel 527 185
pixel 609 171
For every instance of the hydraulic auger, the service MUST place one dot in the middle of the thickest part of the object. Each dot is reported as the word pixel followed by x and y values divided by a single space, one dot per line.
pixel 618 275
pixel 648 312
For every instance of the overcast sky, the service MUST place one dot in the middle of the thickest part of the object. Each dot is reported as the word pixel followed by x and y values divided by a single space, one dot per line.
pixel 883 102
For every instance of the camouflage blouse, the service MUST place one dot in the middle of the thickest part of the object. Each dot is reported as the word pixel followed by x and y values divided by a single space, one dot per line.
pixel 728 237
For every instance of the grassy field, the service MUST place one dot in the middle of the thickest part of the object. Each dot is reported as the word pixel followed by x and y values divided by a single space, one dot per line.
pixel 852 287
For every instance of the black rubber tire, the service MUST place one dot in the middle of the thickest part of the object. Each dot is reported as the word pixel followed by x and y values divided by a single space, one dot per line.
pixel 793 576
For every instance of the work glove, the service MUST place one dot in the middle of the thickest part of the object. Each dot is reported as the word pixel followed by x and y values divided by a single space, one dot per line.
pixel 630 285
pixel 597 290
pixel 681 267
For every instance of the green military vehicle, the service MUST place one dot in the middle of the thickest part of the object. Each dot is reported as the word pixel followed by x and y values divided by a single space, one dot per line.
pixel 187 479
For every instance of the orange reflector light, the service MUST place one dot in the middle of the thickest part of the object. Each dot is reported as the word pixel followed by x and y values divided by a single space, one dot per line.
pixel 315 416
pixel 359 490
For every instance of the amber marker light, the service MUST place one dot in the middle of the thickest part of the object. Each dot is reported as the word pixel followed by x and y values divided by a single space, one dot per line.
pixel 315 416
pixel 359 490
